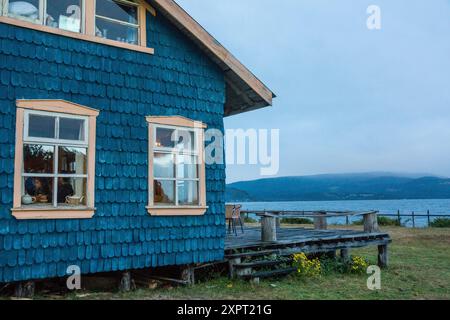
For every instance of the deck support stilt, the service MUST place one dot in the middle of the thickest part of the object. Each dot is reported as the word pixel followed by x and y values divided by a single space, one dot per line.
pixel 345 254
pixel 383 257
pixel 24 289
pixel 188 275
pixel 126 282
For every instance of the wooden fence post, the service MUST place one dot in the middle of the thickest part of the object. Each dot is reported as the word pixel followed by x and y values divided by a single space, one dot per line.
pixel 428 217
pixel 399 218
pixel 413 219
pixel 383 258
pixel 371 222
pixel 320 221
pixel 268 229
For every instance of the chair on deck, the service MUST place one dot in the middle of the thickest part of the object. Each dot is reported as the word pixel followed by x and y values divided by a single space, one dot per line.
pixel 233 217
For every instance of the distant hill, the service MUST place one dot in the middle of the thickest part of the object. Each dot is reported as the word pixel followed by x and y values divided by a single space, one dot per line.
pixel 358 186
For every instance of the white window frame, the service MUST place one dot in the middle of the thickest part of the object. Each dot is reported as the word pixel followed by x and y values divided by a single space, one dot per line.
pixel 183 124
pixel 176 152
pixel 56 143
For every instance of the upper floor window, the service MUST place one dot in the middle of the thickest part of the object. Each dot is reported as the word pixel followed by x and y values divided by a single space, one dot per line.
pixel 120 23
pixel 177 169
pixel 55 160
pixel 62 14
pixel 117 20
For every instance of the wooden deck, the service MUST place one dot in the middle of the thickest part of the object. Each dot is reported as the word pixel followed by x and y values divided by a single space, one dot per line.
pixel 303 240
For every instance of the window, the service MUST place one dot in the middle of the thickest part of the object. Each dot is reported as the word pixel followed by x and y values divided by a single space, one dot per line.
pixel 117 20
pixel 120 23
pixel 62 14
pixel 55 160
pixel 177 169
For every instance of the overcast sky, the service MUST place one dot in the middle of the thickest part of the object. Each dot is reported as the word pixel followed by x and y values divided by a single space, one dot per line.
pixel 349 99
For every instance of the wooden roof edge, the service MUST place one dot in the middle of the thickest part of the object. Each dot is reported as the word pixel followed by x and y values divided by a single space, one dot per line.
pixel 176 12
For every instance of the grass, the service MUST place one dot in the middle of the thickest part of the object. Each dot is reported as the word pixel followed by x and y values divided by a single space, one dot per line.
pixel 440 223
pixel 419 269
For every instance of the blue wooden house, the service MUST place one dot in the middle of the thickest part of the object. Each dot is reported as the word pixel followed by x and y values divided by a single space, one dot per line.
pixel 92 94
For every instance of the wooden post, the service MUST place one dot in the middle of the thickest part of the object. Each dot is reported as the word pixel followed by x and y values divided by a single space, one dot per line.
pixel 24 289
pixel 345 254
pixel 399 218
pixel 346 220
pixel 320 221
pixel 371 222
pixel 428 217
pixel 231 268
pixel 126 283
pixel 188 275
pixel 268 229
pixel 413 219
pixel 383 258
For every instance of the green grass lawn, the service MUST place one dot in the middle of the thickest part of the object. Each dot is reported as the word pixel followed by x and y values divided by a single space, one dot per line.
pixel 419 269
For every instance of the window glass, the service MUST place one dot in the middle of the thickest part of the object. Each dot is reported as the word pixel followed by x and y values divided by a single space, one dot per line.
pixel 71 191
pixel 38 158
pixel 185 140
pixel 117 10
pixel 116 31
pixel 27 10
pixel 41 126
pixel 186 167
pixel 164 165
pixel 40 189
pixel 187 193
pixel 164 138
pixel 72 160
pixel 71 129
pixel 164 192
pixel 64 14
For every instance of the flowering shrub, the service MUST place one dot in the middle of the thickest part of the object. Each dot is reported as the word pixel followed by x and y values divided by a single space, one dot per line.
pixel 305 266
pixel 358 265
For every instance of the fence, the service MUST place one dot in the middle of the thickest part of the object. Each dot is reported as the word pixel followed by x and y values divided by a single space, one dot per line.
pixel 413 216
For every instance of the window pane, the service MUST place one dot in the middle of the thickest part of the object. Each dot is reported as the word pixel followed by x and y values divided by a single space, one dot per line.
pixel 71 129
pixel 40 189
pixel 37 158
pixel 163 165
pixel 164 138
pixel 117 11
pixel 116 31
pixel 164 192
pixel 72 191
pixel 41 126
pixel 187 193
pixel 171 138
pixel 187 167
pixel 64 14
pixel 185 140
pixel 27 10
pixel 72 160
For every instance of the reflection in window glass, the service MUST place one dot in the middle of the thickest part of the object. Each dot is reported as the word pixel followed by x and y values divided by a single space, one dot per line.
pixel 186 167
pixel 72 191
pixel 185 140
pixel 39 189
pixel 117 10
pixel 64 14
pixel 72 160
pixel 116 31
pixel 163 165
pixel 187 193
pixel 27 10
pixel 41 126
pixel 71 129
pixel 37 158
pixel 164 138
pixel 164 192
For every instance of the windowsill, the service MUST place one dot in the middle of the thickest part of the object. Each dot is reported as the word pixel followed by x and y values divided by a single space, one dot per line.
pixel 41 212
pixel 80 36
pixel 177 211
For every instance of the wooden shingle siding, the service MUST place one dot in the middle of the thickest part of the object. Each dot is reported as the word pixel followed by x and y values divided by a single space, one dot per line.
pixel 125 86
